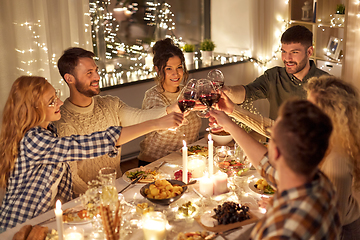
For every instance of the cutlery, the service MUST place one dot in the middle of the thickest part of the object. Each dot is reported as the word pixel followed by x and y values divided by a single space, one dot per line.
pixel 132 183
pixel 190 183
pixel 158 167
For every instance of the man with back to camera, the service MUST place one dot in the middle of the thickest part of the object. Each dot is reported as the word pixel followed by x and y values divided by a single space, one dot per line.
pixel 280 83
pixel 304 205
pixel 85 111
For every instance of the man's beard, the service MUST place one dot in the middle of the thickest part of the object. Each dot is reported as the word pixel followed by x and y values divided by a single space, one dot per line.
pixel 298 67
pixel 81 88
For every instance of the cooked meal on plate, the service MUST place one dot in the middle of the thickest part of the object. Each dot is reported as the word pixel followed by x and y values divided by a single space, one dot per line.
pixel 148 174
pixel 199 150
pixel 76 216
pixel 163 189
pixel 193 236
pixel 263 185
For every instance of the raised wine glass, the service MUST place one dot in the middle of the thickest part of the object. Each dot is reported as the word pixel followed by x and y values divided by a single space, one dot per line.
pixel 217 78
pixel 207 94
pixel 186 99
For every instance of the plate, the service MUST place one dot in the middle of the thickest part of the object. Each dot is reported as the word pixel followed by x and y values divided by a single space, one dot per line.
pixel 254 189
pixel 76 216
pixel 224 228
pixel 141 181
pixel 197 149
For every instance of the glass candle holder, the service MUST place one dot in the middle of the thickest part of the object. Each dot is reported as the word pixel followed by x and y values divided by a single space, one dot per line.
pixel 154 226
pixel 74 233
pixel 196 165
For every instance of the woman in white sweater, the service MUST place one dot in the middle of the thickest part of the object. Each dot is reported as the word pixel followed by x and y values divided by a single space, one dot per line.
pixel 171 72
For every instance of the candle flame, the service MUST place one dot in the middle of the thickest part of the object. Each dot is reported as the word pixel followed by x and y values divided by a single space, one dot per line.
pixel 209 137
pixel 184 143
pixel 58 205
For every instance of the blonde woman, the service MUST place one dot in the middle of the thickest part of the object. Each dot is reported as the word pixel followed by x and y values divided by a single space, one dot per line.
pixel 341 102
pixel 33 160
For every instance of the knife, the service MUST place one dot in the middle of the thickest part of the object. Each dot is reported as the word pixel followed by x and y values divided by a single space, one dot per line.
pixel 160 165
pixel 132 183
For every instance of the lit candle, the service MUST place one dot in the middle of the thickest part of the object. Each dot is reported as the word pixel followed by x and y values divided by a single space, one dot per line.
pixel 220 183
pixel 211 155
pixel 184 159
pixel 154 226
pixel 59 220
pixel 206 186
pixel 74 233
pixel 196 165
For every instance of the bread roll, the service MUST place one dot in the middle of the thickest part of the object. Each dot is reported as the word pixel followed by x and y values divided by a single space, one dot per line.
pixel 23 233
pixel 38 233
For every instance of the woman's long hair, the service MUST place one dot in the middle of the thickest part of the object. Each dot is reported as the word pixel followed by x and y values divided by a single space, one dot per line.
pixel 340 101
pixel 163 50
pixel 23 110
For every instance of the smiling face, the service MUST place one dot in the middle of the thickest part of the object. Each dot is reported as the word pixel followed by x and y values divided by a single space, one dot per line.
pixel 296 58
pixel 173 74
pixel 52 105
pixel 87 78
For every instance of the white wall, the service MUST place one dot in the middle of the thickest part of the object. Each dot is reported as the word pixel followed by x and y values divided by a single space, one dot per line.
pixel 230 25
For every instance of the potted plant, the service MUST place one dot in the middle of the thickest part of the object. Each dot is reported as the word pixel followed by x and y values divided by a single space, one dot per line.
pixel 207 47
pixel 189 53
pixel 340 15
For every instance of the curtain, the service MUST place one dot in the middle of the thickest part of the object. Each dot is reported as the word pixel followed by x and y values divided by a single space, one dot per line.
pixel 34 34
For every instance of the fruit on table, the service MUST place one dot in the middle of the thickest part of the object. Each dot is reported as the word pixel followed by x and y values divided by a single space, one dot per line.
pixel 231 212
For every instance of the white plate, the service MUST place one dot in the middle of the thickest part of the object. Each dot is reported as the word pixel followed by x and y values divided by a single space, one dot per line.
pixel 254 189
pixel 128 180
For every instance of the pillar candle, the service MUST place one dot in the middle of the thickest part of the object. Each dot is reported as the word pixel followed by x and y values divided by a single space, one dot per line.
pixel 184 162
pixel 59 220
pixel 220 183
pixel 196 165
pixel 211 155
pixel 206 186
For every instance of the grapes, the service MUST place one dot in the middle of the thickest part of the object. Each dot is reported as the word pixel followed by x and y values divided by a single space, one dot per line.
pixel 231 212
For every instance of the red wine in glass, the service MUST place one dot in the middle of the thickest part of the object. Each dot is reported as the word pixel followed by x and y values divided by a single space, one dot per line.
pixel 186 105
pixel 209 99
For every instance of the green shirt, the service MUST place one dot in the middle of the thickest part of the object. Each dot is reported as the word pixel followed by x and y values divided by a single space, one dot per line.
pixel 276 85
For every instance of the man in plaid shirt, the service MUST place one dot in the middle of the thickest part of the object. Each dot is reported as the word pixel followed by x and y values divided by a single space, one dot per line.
pixel 304 205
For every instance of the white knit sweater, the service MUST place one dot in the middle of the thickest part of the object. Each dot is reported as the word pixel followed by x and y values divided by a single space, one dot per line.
pixel 104 111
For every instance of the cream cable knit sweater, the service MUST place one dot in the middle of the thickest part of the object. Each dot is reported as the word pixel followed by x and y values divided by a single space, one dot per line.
pixel 103 112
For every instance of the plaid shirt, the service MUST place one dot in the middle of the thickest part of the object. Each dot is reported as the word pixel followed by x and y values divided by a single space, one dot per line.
pixel 41 161
pixel 305 212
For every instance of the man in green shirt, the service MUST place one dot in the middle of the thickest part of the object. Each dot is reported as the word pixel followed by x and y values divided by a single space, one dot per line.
pixel 280 83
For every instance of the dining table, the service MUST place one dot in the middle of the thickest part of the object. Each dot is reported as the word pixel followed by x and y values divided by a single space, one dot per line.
pixel 240 191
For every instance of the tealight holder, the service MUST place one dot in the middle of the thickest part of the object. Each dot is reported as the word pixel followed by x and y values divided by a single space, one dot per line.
pixel 154 226
pixel 74 233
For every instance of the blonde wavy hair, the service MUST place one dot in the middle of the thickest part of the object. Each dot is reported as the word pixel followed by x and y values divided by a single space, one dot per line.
pixel 340 100
pixel 23 110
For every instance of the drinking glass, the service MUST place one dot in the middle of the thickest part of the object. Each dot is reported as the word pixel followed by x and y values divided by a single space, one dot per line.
pixel 207 95
pixel 107 176
pixel 186 99
pixel 217 78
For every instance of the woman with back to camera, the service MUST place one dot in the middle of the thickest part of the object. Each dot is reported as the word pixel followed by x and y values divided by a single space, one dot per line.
pixel 171 72
pixel 341 102
pixel 33 159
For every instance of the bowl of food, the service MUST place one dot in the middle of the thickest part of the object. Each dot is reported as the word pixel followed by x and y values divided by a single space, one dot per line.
pixel 164 191
pixel 221 138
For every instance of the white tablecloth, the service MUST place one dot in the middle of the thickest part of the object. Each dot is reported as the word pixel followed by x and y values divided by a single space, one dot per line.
pixel 133 195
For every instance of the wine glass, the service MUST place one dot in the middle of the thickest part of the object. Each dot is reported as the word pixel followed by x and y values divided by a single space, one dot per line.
pixel 207 94
pixel 217 78
pixel 186 99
